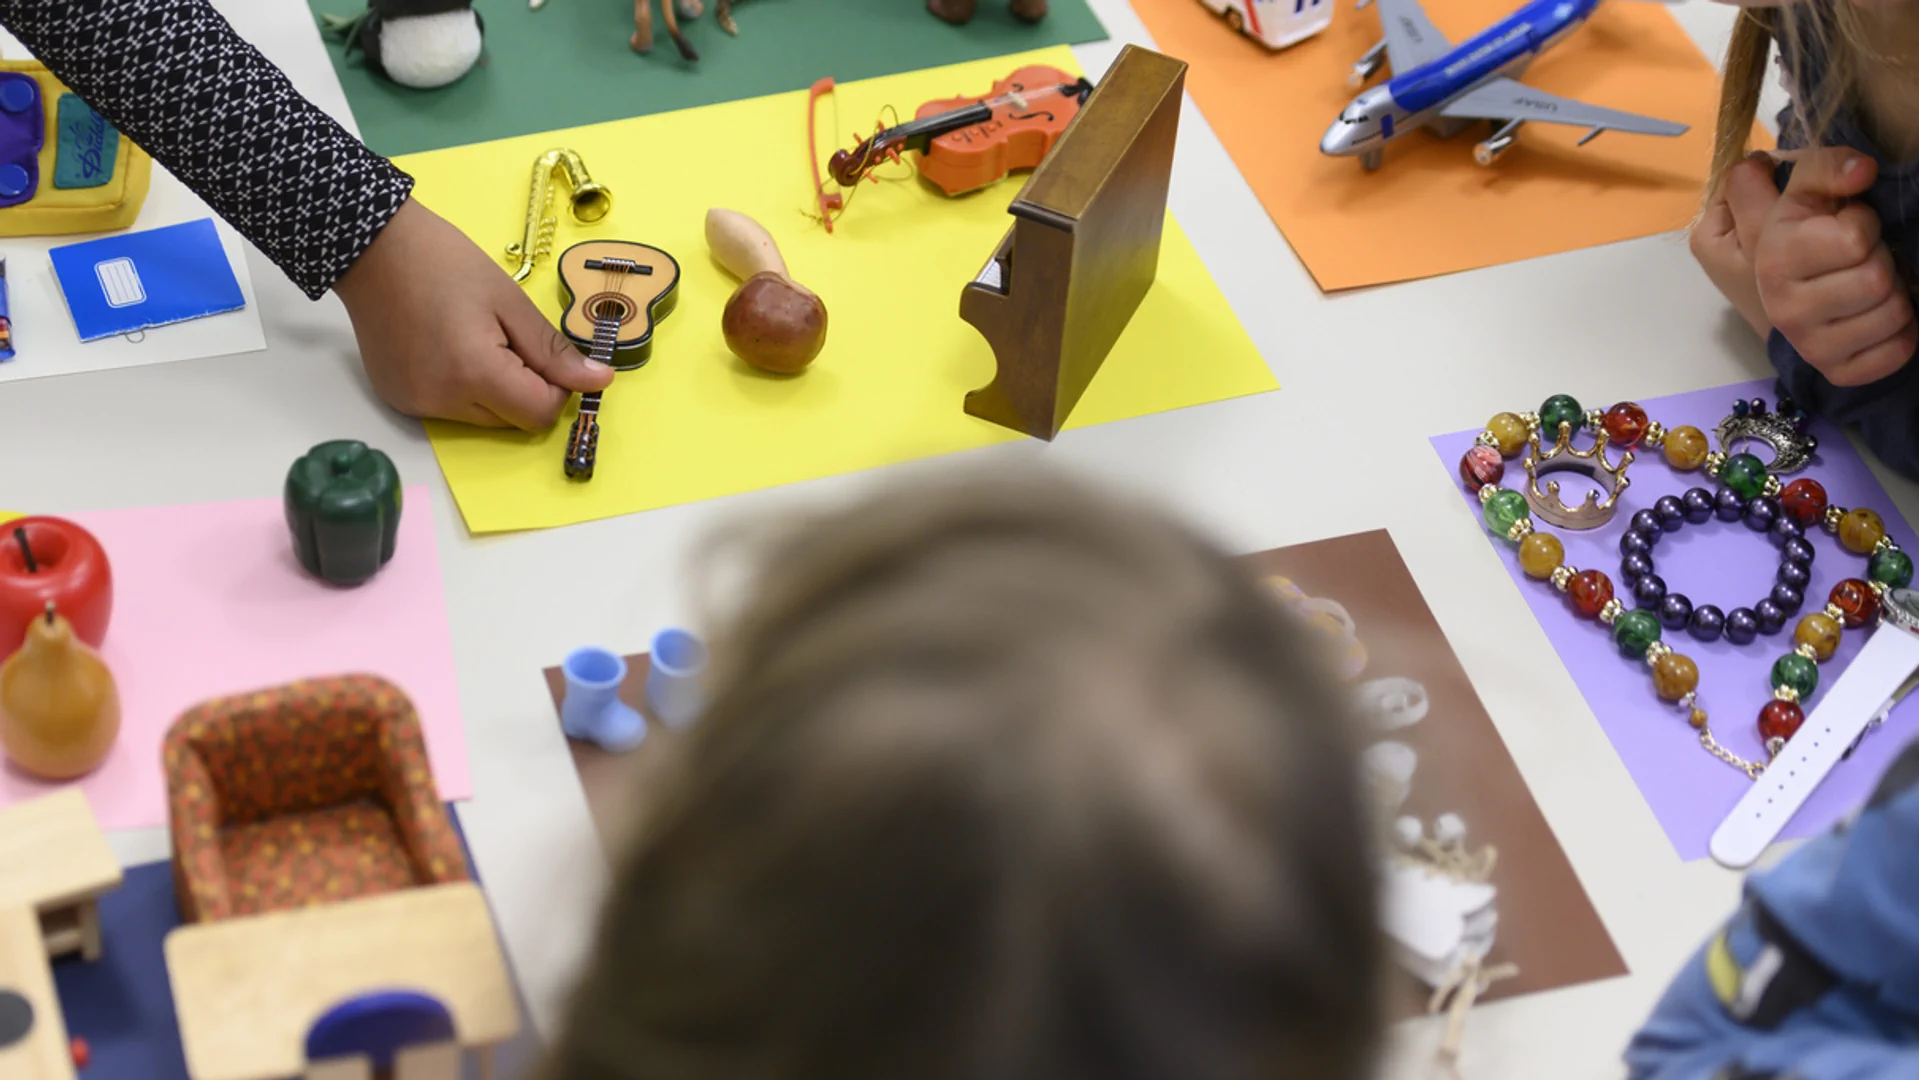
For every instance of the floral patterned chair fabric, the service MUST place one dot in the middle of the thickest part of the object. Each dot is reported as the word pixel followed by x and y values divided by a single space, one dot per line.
pixel 307 794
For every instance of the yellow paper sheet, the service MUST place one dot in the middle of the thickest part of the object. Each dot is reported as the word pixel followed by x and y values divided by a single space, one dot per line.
pixel 696 422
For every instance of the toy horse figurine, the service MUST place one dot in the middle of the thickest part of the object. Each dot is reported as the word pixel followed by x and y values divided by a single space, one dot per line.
pixel 688 9
pixel 960 12
pixel 642 40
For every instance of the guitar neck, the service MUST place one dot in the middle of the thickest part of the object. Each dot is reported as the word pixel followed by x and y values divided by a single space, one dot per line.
pixel 583 442
pixel 605 333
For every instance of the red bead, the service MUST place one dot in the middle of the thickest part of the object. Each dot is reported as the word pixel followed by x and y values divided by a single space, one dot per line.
pixel 1482 465
pixel 1856 602
pixel 1590 590
pixel 80 1052
pixel 1804 500
pixel 1625 424
pixel 1779 720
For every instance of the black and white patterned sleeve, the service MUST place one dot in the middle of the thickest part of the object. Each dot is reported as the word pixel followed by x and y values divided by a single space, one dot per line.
pixel 175 78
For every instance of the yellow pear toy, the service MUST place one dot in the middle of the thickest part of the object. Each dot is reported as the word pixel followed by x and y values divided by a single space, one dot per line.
pixel 59 707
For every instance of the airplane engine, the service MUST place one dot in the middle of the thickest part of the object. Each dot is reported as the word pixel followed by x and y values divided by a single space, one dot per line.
pixel 1497 143
pixel 1368 65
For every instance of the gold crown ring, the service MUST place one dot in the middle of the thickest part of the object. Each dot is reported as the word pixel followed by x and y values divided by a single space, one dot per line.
pixel 1591 463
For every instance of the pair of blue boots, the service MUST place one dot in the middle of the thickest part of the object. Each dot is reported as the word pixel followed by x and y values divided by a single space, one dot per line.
pixel 592 710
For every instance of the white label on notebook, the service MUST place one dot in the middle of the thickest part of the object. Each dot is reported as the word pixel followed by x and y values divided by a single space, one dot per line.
pixel 120 281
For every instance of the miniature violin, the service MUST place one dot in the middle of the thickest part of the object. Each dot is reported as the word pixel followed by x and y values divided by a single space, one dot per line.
pixel 615 291
pixel 967 143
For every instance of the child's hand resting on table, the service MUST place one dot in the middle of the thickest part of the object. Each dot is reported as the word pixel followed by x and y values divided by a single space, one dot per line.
pixel 1813 262
pixel 445 333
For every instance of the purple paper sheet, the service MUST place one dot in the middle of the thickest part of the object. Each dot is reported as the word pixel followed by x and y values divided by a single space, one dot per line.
pixel 1722 563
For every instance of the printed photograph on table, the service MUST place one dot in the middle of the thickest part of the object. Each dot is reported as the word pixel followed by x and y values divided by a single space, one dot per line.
pixel 1430 207
pixel 899 358
pixel 524 65
pixel 1702 595
pixel 1480 892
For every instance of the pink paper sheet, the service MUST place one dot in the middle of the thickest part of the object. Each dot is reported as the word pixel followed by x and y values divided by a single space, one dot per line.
pixel 209 601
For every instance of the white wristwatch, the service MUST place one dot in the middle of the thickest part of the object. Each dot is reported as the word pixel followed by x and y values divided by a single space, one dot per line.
pixel 1865 692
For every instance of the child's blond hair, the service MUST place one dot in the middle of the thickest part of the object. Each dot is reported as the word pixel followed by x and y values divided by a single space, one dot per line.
pixel 1000 780
pixel 1825 34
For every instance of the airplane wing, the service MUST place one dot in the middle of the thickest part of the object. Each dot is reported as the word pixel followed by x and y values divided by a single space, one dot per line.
pixel 1504 99
pixel 1411 38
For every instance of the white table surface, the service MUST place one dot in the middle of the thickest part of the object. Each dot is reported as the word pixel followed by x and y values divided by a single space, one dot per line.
pixel 1366 378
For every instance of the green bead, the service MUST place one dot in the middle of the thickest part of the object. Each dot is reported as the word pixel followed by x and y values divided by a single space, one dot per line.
pixel 1797 672
pixel 1556 410
pixel 1634 632
pixel 1505 507
pixel 1745 474
pixel 1892 566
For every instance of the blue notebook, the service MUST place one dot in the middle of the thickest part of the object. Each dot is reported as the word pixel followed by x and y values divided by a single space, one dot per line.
pixel 132 281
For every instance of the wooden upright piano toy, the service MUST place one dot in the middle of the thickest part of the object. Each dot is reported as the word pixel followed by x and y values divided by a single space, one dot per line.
pixel 1083 249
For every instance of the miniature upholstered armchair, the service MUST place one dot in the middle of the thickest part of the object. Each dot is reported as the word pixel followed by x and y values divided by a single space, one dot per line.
pixel 308 794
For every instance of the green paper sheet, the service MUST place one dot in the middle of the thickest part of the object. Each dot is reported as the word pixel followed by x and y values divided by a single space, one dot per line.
pixel 568 64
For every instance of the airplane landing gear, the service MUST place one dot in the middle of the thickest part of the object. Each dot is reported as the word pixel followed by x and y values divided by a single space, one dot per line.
pixel 1368 65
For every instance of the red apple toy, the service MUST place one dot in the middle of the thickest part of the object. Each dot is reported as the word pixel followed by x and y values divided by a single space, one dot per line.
pixel 46 559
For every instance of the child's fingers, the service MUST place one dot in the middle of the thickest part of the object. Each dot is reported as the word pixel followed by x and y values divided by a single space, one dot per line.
pixel 1863 347
pixel 1813 248
pixel 1822 179
pixel 1749 199
pixel 1849 292
pixel 1877 361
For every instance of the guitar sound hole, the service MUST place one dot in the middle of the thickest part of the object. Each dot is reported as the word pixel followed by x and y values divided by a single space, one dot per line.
pixel 609 306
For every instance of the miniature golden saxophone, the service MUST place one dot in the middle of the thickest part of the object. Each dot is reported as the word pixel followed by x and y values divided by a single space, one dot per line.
pixel 589 202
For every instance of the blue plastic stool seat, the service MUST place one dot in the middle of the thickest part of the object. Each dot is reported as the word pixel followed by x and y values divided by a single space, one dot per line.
pixel 379 1026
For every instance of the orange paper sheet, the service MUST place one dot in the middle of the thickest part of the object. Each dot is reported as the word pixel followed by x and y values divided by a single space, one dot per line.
pixel 1430 209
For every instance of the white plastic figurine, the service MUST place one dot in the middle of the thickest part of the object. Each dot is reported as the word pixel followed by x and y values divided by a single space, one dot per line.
pixel 1275 23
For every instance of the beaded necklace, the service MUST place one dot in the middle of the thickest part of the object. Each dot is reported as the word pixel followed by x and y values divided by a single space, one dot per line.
pixel 1749 492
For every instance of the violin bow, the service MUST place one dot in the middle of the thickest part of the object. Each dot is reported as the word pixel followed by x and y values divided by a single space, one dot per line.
pixel 830 202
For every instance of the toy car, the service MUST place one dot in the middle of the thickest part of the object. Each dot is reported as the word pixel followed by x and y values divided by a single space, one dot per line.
pixel 1274 23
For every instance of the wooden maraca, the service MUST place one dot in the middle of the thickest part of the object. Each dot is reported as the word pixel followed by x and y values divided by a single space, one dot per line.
pixel 772 322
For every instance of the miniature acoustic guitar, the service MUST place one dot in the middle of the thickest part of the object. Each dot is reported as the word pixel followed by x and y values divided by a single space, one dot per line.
pixel 615 292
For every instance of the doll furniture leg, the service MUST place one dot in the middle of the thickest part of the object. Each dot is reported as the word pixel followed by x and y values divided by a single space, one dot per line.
pixel 592 710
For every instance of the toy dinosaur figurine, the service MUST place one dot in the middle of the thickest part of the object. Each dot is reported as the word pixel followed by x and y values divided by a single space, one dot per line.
pixel 960 12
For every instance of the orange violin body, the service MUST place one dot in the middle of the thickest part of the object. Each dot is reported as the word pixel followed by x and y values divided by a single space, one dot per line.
pixel 1017 136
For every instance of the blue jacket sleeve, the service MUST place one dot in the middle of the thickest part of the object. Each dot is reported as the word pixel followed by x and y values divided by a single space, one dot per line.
pixel 1885 413
pixel 1817 976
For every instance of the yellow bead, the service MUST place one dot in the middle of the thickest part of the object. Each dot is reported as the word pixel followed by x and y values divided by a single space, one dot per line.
pixel 1861 530
pixel 1674 676
pixel 1698 718
pixel 1540 554
pixel 1820 632
pixel 1686 448
pixel 1509 431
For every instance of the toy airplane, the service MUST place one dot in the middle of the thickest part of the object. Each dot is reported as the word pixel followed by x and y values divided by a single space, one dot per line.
pixel 1446 87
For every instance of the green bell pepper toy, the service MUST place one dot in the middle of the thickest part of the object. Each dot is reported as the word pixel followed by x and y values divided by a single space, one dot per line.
pixel 343 506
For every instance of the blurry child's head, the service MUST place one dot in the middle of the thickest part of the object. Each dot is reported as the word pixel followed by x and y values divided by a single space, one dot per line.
pixel 1825 44
pixel 999 780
